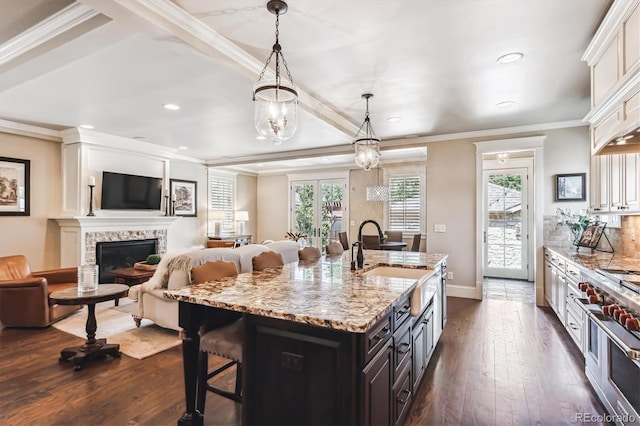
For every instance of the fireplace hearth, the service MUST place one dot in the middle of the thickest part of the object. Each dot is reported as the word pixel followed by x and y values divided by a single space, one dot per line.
pixel 112 255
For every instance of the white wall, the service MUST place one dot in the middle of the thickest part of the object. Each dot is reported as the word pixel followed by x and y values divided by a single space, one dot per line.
pixel 34 236
pixel 189 231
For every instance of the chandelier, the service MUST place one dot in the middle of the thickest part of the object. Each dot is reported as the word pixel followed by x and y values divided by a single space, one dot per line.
pixel 367 144
pixel 276 101
pixel 379 191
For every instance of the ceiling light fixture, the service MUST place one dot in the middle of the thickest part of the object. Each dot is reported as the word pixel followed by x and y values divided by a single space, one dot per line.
pixel 503 157
pixel 510 57
pixel 171 107
pixel 87 126
pixel 367 143
pixel 394 119
pixel 378 192
pixel 276 101
pixel 183 148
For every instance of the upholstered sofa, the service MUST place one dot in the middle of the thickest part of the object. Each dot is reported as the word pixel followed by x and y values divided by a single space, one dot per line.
pixel 174 272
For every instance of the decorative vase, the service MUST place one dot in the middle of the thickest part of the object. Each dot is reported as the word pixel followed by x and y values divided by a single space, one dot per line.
pixel 87 278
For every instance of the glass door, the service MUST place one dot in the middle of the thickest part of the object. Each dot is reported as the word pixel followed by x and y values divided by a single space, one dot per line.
pixel 505 223
pixel 317 209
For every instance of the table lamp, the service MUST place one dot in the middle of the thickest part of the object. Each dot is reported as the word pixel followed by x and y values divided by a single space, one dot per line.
pixel 241 216
pixel 217 216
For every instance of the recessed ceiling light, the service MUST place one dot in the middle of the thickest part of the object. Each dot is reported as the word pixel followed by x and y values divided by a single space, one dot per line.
pixel 510 57
pixel 504 104
pixel 260 165
pixel 172 107
pixel 394 119
pixel 183 148
pixel 87 126
pixel 260 137
pixel 411 136
pixel 628 137
pixel 140 138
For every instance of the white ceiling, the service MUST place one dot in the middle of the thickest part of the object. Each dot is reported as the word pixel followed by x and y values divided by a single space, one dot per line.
pixel 114 63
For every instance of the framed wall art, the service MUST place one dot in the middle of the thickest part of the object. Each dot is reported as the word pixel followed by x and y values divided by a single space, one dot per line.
pixel 571 187
pixel 14 187
pixel 184 197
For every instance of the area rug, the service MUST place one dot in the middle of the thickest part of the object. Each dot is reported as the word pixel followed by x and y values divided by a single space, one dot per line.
pixel 116 325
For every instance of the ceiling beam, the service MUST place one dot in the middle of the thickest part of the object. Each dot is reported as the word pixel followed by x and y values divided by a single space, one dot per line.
pixel 175 20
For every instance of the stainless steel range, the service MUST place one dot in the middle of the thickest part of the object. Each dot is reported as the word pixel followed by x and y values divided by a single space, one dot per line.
pixel 612 343
pixel 626 278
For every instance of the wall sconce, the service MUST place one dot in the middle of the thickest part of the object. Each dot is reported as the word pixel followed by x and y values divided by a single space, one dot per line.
pixel 241 216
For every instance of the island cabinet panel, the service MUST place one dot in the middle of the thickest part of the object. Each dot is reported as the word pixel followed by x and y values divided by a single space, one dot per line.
pixel 422 344
pixel 377 378
pixel 309 373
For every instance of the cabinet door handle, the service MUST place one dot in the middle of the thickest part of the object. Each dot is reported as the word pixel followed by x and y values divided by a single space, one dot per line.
pixel 406 398
pixel 381 334
pixel 403 311
pixel 405 350
pixel 573 326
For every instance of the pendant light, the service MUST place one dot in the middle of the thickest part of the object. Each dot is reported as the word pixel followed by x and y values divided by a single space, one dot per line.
pixel 276 101
pixel 367 145
pixel 378 192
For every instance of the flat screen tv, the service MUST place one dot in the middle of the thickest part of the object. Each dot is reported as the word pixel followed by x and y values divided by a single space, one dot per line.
pixel 130 192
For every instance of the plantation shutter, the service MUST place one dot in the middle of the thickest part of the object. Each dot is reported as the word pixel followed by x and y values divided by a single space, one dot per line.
pixel 221 197
pixel 405 203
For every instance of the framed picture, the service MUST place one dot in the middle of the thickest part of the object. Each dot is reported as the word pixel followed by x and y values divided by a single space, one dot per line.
pixel 184 196
pixel 14 187
pixel 571 187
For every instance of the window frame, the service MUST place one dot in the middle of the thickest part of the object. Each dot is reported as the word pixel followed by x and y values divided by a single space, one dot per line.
pixel 420 172
pixel 228 224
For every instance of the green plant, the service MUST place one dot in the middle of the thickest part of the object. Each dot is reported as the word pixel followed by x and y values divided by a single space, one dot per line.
pixel 153 259
pixel 575 221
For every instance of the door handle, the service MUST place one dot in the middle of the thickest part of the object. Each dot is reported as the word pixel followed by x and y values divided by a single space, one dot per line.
pixel 484 237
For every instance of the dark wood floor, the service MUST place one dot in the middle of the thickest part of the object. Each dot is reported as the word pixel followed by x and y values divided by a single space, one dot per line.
pixel 499 362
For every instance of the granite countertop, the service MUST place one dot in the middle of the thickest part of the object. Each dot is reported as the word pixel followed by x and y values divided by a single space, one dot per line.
pixel 325 293
pixel 597 260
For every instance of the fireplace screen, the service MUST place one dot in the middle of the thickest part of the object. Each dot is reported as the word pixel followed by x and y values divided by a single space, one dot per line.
pixel 112 255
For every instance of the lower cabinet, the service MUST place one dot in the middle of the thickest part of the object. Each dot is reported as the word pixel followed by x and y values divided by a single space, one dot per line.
pixel 422 344
pixel 378 378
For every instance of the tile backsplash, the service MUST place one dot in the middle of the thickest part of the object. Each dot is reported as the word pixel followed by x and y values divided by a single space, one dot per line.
pixel 625 240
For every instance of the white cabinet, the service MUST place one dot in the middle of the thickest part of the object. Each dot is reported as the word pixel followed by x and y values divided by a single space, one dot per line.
pixel 614 58
pixel 615 183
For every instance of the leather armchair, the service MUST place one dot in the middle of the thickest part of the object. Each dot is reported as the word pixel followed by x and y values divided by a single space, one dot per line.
pixel 24 295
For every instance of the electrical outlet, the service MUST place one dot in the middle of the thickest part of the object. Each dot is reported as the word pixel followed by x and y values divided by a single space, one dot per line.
pixel 439 228
pixel 450 275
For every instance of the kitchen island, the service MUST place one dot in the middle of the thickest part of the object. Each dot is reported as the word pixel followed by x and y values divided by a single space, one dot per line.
pixel 324 344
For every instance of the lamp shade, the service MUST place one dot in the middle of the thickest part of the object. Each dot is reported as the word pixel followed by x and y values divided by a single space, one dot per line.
pixel 217 215
pixel 241 215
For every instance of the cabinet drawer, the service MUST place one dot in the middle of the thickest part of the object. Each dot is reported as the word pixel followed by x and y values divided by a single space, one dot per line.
pixel 376 337
pixel 401 350
pixel 402 396
pixel 574 327
pixel 573 272
pixel 401 313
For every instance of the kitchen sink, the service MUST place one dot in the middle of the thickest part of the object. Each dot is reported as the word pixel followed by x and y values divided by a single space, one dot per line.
pixel 397 272
pixel 421 294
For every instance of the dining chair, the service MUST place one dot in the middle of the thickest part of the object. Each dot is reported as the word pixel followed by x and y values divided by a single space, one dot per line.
pixel 334 248
pixel 221 335
pixel 415 246
pixel 344 240
pixel 395 236
pixel 267 260
pixel 371 242
pixel 309 254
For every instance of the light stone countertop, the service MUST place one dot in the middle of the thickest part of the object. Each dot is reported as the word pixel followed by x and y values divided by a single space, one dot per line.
pixel 325 293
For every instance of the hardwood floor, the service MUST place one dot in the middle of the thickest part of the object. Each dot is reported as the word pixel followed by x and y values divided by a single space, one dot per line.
pixel 498 362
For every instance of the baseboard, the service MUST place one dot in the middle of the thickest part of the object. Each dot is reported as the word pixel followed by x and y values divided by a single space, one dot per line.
pixel 464 291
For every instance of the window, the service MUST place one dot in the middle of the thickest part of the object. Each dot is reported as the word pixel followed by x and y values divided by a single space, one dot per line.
pixel 405 203
pixel 222 198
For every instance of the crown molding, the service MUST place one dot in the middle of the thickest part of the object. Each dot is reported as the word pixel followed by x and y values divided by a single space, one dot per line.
pixel 608 29
pixel 59 23
pixel 170 17
pixel 36 132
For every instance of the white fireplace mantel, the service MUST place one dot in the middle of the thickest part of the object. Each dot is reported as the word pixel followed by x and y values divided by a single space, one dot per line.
pixel 79 234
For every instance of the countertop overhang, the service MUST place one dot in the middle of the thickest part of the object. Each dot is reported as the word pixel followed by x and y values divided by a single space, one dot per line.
pixel 325 293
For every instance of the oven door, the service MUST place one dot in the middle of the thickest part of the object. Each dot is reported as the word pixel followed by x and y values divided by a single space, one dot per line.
pixel 594 354
pixel 622 385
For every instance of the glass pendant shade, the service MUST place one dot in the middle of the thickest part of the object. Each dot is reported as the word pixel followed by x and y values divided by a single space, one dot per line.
pixel 276 110
pixel 367 153
pixel 377 193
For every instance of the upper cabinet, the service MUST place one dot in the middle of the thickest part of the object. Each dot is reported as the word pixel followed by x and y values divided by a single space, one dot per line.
pixel 614 59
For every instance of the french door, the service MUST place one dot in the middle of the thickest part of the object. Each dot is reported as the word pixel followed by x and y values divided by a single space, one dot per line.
pixel 505 223
pixel 317 208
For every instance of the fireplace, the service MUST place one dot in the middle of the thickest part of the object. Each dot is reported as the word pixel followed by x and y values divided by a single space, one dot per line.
pixel 122 254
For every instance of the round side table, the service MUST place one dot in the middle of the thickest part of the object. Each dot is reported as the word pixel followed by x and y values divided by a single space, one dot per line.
pixel 92 348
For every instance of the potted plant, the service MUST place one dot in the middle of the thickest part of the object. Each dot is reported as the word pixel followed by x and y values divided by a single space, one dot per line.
pixel 577 222
pixel 150 264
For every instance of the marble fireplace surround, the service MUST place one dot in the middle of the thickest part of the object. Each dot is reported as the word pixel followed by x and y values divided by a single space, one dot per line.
pixel 79 235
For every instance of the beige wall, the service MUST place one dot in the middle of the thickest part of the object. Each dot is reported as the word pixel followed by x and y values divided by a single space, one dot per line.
pixel 34 236
pixel 565 151
pixel 247 199
pixel 360 208
pixel 273 208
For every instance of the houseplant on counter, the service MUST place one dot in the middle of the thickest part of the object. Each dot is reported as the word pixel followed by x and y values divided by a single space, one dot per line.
pixel 577 222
